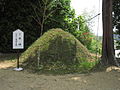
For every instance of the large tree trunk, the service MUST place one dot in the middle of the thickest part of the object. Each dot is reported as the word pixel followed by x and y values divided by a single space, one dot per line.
pixel 108 56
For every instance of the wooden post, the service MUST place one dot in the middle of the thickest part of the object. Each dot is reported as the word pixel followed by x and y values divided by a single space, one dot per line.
pixel 18 58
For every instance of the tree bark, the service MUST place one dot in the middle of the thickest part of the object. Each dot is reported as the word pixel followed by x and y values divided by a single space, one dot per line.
pixel 108 55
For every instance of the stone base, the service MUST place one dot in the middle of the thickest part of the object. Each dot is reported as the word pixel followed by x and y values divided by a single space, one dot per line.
pixel 18 69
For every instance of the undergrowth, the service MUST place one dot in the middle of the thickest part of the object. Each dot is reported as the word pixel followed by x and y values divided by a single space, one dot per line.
pixel 59 52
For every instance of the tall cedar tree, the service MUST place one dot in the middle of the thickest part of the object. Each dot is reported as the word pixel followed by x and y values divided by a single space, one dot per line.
pixel 108 56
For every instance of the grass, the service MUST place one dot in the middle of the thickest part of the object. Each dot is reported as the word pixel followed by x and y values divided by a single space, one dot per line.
pixel 58 51
pixel 7 60
pixel 8 57
pixel 54 67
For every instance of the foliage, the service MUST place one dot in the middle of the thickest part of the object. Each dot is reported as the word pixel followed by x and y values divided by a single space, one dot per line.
pixel 36 17
pixel 79 28
pixel 116 13
pixel 96 45
pixel 19 14
pixel 61 51
pixel 16 14
pixel 8 57
pixel 50 13
pixel 116 19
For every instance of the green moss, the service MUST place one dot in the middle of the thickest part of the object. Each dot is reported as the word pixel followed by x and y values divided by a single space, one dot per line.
pixel 58 50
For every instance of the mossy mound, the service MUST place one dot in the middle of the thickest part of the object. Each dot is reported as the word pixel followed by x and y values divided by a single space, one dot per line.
pixel 56 49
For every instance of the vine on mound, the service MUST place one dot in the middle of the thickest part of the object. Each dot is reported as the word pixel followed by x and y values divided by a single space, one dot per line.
pixel 57 50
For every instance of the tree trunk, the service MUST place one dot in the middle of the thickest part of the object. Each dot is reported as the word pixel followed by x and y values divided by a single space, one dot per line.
pixel 41 32
pixel 108 55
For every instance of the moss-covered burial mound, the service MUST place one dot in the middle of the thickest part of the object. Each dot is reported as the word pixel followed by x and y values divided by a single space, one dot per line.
pixel 56 49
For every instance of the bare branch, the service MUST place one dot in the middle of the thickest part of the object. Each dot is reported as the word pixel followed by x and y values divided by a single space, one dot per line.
pixel 53 20
pixel 50 4
pixel 43 1
pixel 37 21
pixel 44 14
pixel 36 13
pixel 46 2
pixel 39 4
pixel 50 13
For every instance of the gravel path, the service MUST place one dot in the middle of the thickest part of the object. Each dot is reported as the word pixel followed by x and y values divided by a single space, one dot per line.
pixel 12 80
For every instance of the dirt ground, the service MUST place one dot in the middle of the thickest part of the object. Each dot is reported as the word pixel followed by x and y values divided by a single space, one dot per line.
pixel 23 80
